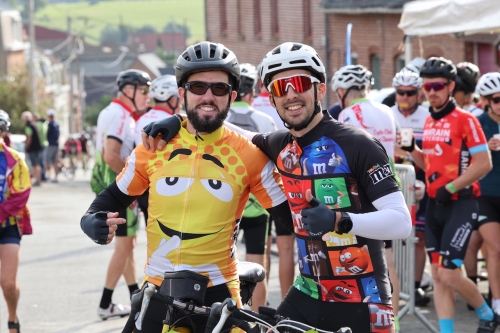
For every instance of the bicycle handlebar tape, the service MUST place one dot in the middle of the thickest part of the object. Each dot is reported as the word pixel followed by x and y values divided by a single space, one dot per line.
pixel 95 226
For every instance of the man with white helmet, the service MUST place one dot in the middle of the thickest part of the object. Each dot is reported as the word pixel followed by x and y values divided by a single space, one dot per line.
pixel 163 90
pixel 409 114
pixel 332 290
pixel 489 202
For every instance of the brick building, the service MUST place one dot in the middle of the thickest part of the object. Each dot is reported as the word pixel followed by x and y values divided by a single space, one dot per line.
pixel 252 28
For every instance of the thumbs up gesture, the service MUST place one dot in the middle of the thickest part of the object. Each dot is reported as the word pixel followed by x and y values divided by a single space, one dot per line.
pixel 317 219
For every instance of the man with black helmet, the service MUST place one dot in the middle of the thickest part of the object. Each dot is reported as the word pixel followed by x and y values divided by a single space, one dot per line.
pixel 114 143
pixel 343 280
pixel 465 86
pixel 454 156
pixel 198 185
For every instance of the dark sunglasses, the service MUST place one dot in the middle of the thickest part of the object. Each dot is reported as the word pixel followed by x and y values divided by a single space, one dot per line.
pixel 406 92
pixel 144 91
pixel 300 83
pixel 437 86
pixel 495 100
pixel 200 88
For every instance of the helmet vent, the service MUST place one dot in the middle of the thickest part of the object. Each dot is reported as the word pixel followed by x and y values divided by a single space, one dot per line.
pixel 315 61
pixel 274 66
pixel 301 61
pixel 296 47
pixel 224 54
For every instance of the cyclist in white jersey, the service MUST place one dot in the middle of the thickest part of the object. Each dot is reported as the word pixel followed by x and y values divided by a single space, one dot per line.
pixel 261 121
pixel 409 114
pixel 166 103
pixel 351 83
pixel 114 143
pixel 263 104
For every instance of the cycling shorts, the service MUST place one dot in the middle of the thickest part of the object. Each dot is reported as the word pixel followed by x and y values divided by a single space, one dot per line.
pixel 131 226
pixel 10 235
pixel 157 310
pixel 278 228
pixel 255 233
pixel 331 316
pixel 448 230
pixel 489 209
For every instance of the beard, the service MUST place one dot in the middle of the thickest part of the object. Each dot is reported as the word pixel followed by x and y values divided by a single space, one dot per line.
pixel 206 124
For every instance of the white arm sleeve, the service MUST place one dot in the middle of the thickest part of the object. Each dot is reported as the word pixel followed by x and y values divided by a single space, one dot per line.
pixel 392 219
pixel 247 134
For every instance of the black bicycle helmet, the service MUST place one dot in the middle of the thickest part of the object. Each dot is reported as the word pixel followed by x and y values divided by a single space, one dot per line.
pixel 438 67
pixel 4 121
pixel 464 82
pixel 204 57
pixel 248 79
pixel 132 77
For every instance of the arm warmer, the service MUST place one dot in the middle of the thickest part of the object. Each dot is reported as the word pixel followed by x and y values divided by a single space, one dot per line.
pixel 392 219
pixel 282 214
pixel 111 200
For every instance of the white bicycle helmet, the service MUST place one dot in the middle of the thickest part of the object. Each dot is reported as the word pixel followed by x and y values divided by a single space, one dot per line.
pixel 4 121
pixel 248 79
pixel 489 84
pixel 164 87
pixel 407 78
pixel 352 76
pixel 471 69
pixel 291 55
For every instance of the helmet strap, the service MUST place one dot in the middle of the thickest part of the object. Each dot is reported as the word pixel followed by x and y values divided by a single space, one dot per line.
pixel 172 107
pixel 342 100
pixel 131 99
pixel 317 109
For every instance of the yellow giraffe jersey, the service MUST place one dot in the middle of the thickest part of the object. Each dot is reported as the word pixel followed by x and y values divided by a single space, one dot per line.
pixel 198 189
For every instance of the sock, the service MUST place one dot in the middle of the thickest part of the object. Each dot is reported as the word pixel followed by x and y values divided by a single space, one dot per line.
pixel 446 325
pixel 396 323
pixel 106 298
pixel 417 285
pixel 132 288
pixel 495 304
pixel 473 279
pixel 484 312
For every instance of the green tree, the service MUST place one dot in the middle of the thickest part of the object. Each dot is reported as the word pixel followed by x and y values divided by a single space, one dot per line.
pixel 173 26
pixel 93 111
pixel 15 97
pixel 146 29
pixel 116 34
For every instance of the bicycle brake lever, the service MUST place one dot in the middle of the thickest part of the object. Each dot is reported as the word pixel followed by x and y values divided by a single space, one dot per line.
pixel 148 293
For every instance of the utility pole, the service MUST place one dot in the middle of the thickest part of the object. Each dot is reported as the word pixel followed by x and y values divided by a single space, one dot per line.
pixel 32 55
pixel 70 47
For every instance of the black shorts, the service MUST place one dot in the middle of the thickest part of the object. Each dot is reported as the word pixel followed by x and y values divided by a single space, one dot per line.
pixel 255 233
pixel 157 310
pixel 420 215
pixel 489 209
pixel 331 316
pixel 448 230
pixel 278 228
pixel 10 235
pixel 130 227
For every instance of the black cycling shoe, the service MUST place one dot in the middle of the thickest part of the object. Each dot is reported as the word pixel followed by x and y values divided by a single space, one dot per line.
pixel 486 326
pixel 420 298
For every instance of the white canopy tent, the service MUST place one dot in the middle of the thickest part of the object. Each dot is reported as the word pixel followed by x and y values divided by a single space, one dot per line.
pixel 434 17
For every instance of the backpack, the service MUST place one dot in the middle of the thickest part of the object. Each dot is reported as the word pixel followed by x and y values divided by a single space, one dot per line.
pixel 243 120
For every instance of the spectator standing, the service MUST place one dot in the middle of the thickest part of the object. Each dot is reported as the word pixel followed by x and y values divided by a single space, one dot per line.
pixel 33 146
pixel 41 126
pixel 53 144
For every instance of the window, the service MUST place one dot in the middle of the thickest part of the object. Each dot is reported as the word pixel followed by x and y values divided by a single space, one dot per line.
pixel 399 62
pixel 256 18
pixel 375 68
pixel 223 16
pixel 307 19
pixel 275 28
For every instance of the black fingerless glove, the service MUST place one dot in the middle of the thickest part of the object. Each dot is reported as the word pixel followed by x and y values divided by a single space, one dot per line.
pixel 443 196
pixel 168 127
pixel 409 148
pixel 95 226
pixel 318 219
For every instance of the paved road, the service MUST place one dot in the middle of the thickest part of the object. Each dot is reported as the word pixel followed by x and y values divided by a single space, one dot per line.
pixel 62 271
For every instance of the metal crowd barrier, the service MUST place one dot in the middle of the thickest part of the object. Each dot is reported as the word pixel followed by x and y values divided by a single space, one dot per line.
pixel 404 250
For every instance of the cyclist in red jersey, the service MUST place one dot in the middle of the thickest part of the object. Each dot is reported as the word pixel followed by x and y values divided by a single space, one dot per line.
pixel 454 156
